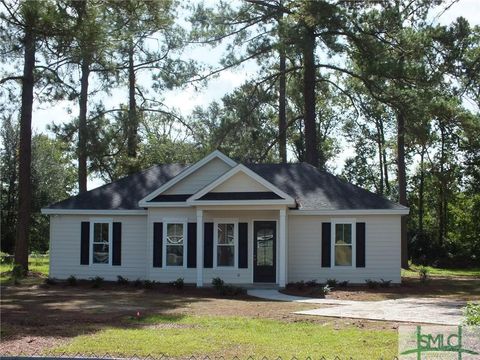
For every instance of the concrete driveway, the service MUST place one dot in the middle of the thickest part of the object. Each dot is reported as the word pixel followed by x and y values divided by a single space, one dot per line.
pixel 412 310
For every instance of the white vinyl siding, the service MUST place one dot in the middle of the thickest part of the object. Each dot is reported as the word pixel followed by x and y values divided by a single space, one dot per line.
pixel 240 182
pixel 65 237
pixel 382 250
pixel 200 178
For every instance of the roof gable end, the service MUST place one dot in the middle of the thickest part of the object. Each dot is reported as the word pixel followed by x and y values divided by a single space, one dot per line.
pixel 251 181
pixel 144 202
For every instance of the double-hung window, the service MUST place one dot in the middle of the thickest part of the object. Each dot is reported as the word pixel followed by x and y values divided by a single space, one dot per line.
pixel 225 244
pixel 101 242
pixel 343 243
pixel 175 244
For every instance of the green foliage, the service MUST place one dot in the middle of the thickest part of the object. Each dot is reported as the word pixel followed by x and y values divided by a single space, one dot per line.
pixel 472 314
pixel 423 273
pixel 72 280
pixel 332 282
pixel 227 289
pixel 96 282
pixel 122 281
pixel 177 284
pixel 385 283
pixel 372 284
pixel 149 284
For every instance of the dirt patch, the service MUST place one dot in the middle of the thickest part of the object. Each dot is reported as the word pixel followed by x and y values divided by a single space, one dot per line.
pixel 461 288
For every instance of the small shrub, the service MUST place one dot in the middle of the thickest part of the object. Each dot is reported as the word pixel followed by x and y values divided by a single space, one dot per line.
pixel 327 289
pixel 472 314
pixel 227 289
pixel 218 283
pixel 137 283
pixel 72 280
pixel 300 285
pixel 50 281
pixel 332 282
pixel 311 283
pixel 385 283
pixel 149 284
pixel 5 258
pixel 343 284
pixel 121 280
pixel 97 281
pixel 177 284
pixel 372 284
pixel 423 273
pixel 232 290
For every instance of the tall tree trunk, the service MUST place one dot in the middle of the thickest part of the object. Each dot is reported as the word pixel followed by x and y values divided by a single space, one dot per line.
pixel 132 132
pixel 25 151
pixel 282 104
pixel 421 191
pixel 402 182
pixel 82 125
pixel 443 190
pixel 311 143
pixel 380 154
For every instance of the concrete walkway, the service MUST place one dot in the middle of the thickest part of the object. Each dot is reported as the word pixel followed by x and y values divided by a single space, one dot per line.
pixel 412 310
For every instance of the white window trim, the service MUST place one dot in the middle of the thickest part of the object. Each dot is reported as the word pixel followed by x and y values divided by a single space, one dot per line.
pixel 235 242
pixel 94 221
pixel 352 222
pixel 185 242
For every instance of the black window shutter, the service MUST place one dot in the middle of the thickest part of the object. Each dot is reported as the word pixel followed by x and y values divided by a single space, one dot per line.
pixel 360 244
pixel 85 243
pixel 326 244
pixel 157 244
pixel 243 245
pixel 192 245
pixel 117 244
pixel 208 245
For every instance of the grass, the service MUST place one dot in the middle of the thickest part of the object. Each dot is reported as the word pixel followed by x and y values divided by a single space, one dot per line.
pixel 433 271
pixel 36 264
pixel 187 335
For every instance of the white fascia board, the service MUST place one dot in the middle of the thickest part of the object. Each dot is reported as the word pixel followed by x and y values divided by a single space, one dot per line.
pixel 242 202
pixel 164 204
pixel 351 212
pixel 92 212
pixel 242 168
pixel 183 174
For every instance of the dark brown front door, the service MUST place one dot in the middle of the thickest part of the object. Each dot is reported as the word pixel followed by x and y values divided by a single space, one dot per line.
pixel 264 251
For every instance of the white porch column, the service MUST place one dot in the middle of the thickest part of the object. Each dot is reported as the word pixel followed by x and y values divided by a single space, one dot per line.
pixel 199 248
pixel 282 240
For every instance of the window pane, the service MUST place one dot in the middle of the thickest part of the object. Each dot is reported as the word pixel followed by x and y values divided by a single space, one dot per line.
pixel 343 255
pixel 175 255
pixel 100 253
pixel 175 234
pixel 265 247
pixel 225 256
pixel 226 234
pixel 100 232
pixel 343 233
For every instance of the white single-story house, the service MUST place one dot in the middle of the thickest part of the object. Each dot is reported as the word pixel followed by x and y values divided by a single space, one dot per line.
pixel 244 223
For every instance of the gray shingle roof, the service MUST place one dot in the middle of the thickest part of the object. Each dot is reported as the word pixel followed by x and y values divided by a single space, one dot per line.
pixel 311 188
pixel 319 190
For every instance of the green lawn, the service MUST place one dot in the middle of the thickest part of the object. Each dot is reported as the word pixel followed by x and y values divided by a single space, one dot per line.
pixel 37 264
pixel 433 271
pixel 180 336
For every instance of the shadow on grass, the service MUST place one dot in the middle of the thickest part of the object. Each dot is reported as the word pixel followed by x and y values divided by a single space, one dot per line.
pixel 64 311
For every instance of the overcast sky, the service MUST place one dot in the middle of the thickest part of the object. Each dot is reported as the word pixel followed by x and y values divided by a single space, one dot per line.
pixel 186 99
